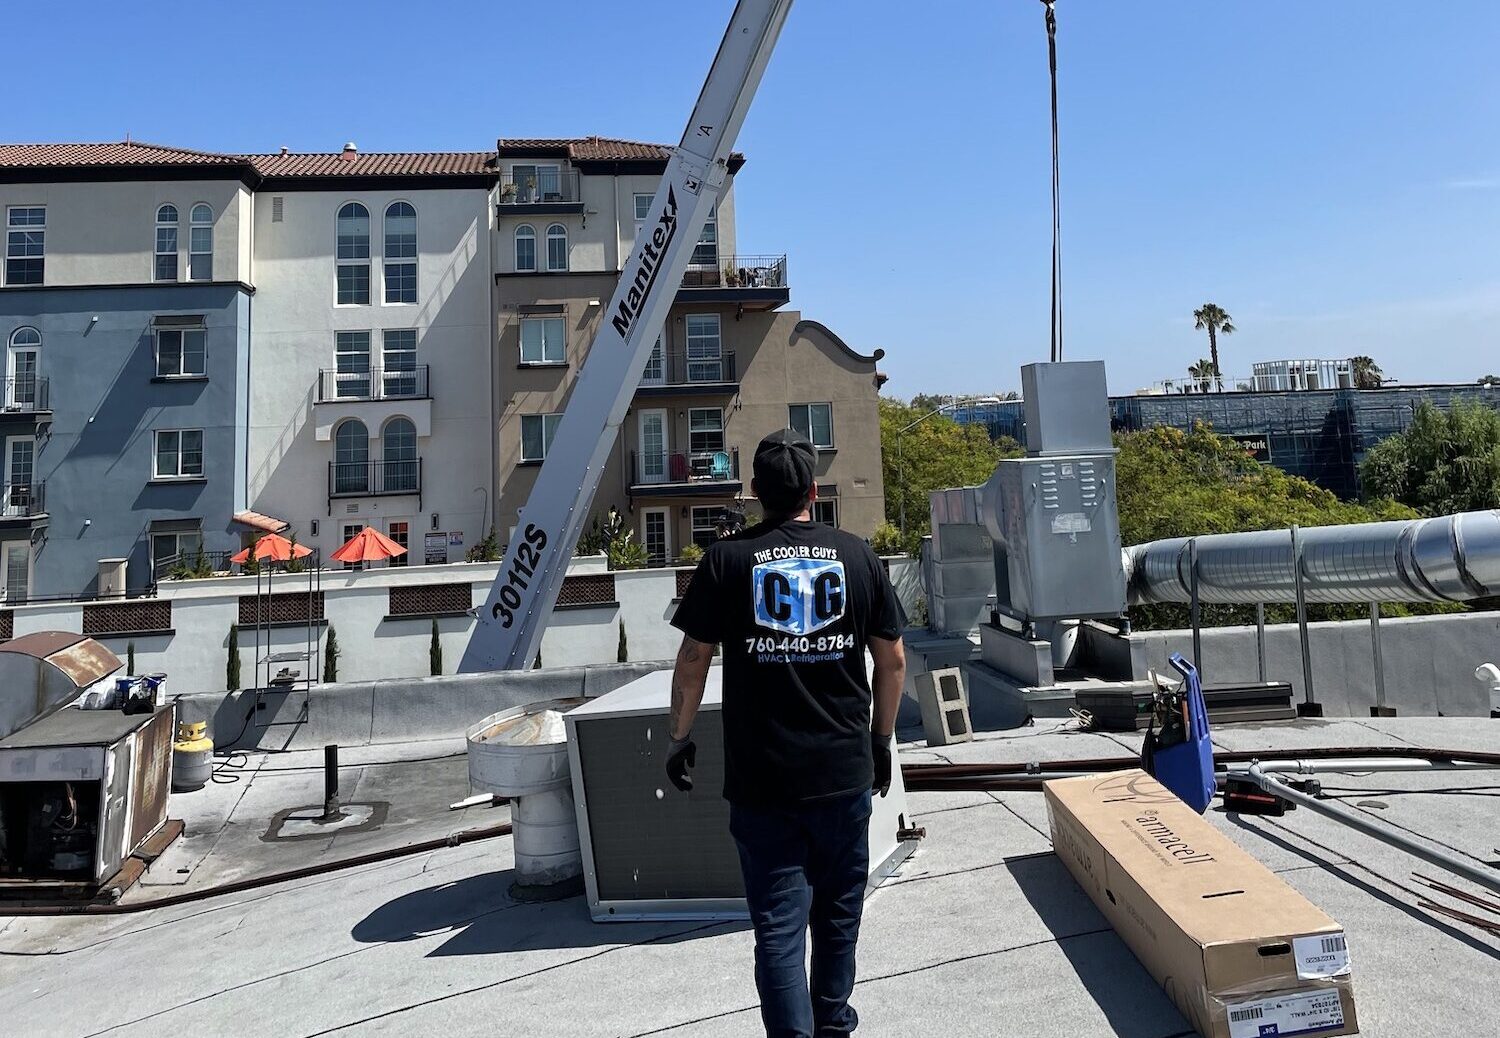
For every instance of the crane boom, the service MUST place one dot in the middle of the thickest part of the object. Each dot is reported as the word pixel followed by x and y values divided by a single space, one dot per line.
pixel 508 633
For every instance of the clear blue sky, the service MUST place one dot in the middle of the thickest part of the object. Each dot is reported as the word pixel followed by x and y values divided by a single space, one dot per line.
pixel 1328 171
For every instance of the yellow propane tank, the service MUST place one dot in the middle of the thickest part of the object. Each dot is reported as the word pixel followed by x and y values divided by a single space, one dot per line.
pixel 192 757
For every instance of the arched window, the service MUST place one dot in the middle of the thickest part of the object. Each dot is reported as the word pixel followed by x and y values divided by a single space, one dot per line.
pixel 201 244
pixel 353 254
pixel 525 247
pixel 557 247
pixel 400 253
pixel 351 458
pixel 23 390
pixel 399 456
pixel 166 244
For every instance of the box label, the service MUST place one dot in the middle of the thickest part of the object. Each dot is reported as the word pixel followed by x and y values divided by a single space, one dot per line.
pixel 1321 956
pixel 1071 522
pixel 1283 1016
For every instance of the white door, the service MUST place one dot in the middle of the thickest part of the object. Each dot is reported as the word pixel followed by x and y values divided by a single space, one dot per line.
pixel 22 395
pixel 655 536
pixel 20 460
pixel 656 367
pixel 653 451
pixel 17 572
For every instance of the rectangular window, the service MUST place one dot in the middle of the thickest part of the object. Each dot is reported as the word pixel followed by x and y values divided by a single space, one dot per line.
pixel 705 430
pixel 201 254
pixel 352 357
pixel 705 349
pixel 25 244
pixel 826 512
pixel 168 549
pixel 400 255
pixel 542 341
pixel 537 431
pixel 17 571
pixel 180 352
pixel 706 252
pixel 399 362
pixel 537 183
pixel 179 453
pixel 399 530
pixel 166 253
pixel 351 530
pixel 705 524
pixel 354 284
pixel 815 421
pixel 642 206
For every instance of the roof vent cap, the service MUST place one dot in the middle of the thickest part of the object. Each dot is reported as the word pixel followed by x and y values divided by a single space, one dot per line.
pixel 349 151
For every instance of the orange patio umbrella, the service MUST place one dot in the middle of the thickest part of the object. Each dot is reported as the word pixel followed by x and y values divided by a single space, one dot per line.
pixel 369 545
pixel 272 547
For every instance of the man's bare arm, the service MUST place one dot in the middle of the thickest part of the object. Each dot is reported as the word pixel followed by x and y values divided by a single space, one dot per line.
pixel 688 678
pixel 890 676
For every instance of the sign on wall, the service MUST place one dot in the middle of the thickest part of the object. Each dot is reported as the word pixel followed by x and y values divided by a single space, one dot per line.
pixel 435 548
pixel 1257 445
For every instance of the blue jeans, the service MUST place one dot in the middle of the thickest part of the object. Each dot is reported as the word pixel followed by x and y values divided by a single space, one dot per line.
pixel 805 865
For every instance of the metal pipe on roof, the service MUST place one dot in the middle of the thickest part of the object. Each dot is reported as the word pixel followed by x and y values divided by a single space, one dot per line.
pixel 1453 558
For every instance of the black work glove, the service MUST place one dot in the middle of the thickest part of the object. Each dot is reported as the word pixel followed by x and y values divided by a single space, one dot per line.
pixel 880 749
pixel 682 754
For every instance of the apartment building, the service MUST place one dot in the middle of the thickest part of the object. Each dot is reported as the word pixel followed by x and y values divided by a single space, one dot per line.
pixel 125 302
pixel 369 390
pixel 731 365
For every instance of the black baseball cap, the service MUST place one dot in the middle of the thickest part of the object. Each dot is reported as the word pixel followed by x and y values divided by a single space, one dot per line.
pixel 784 464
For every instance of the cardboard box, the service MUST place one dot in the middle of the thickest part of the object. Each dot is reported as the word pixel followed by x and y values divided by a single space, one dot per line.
pixel 1239 952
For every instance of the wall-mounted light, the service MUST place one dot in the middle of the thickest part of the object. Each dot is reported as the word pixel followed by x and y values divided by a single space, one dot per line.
pixel 593 302
pixel 434 520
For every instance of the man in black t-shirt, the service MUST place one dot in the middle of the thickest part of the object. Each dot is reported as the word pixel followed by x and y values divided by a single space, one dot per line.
pixel 795 605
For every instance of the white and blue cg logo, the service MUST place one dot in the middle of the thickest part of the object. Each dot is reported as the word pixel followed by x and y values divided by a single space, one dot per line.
pixel 799 596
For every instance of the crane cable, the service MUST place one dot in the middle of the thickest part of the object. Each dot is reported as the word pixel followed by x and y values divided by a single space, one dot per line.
pixel 1057 322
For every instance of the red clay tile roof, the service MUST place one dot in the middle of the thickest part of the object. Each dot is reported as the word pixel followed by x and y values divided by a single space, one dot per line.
pixel 594 149
pixel 373 164
pixel 119 153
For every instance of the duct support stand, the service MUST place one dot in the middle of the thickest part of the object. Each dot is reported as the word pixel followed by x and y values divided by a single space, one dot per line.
pixel 1309 707
pixel 1380 709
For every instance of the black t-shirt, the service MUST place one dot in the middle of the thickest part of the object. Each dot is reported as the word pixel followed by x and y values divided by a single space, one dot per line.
pixel 793 605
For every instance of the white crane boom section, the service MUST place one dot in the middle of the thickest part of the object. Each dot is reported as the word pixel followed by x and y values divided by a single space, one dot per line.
pixel 510 624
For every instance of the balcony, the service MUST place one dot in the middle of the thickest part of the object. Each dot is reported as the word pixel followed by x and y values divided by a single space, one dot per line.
pixel 684 473
pixel 375 384
pixel 375 478
pixel 541 191
pixel 681 374
pixel 26 394
pixel 750 282
pixel 23 502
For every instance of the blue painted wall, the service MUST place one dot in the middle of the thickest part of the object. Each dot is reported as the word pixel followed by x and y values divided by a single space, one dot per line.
pixel 97 454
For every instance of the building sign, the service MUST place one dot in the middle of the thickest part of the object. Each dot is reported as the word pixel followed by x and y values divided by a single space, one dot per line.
pixel 456 539
pixel 435 548
pixel 1257 445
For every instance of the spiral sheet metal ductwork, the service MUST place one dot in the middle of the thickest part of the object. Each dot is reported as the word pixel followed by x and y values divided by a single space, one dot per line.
pixel 1450 559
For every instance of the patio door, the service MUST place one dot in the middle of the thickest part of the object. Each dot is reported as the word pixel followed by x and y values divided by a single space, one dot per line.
pixel 17 571
pixel 655 536
pixel 656 367
pixel 20 460
pixel 654 448
pixel 21 388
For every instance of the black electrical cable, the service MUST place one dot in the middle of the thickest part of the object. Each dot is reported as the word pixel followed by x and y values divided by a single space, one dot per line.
pixel 1057 320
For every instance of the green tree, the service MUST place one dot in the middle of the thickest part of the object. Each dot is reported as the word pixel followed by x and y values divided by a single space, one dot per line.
pixel 331 654
pixel 1203 373
pixel 924 402
pixel 936 454
pixel 1489 380
pixel 232 664
pixel 1444 462
pixel 487 550
pixel 625 552
pixel 435 652
pixel 1367 374
pixel 1216 321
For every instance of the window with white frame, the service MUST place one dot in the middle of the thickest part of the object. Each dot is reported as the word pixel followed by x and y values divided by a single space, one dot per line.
pixel 826 511
pixel 165 268
pixel 351 377
pixel 543 341
pixel 706 252
pixel 399 530
pixel 525 248
pixel 815 421
pixel 180 353
pixel 400 253
pixel 25 244
pixel 351 458
pixel 557 247
pixel 23 387
pixel 201 244
pixel 175 546
pixel 643 201
pixel 537 431
pixel 179 453
pixel 705 430
pixel 353 255
pixel 398 362
pixel 399 467
pixel 706 519
pixel 705 348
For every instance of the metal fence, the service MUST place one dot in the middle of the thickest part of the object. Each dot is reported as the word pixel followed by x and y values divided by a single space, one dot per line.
pixel 740 272
pixel 24 499
pixel 352 478
pixel 684 467
pixel 26 393
pixel 372 384
pixel 543 185
pixel 682 369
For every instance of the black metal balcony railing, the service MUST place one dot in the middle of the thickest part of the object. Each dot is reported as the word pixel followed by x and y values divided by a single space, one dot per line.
pixel 375 384
pixel 690 468
pixel 23 500
pixel 740 272
pixel 683 369
pixel 191 564
pixel 539 187
pixel 27 393
pixel 354 478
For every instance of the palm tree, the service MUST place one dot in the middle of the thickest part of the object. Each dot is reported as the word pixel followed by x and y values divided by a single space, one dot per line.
pixel 1217 320
pixel 1203 373
pixel 1367 374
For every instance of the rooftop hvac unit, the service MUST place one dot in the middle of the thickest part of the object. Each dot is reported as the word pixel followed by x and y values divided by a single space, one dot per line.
pixel 651 852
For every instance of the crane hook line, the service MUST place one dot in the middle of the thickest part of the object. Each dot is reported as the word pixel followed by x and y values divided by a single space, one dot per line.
pixel 1057 320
